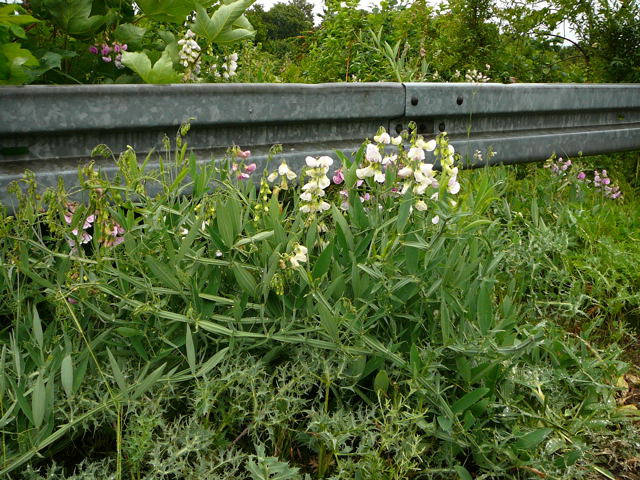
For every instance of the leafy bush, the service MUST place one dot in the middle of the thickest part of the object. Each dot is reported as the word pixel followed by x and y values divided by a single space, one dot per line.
pixel 396 320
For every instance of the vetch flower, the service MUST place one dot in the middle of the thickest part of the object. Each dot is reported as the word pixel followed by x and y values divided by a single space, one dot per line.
pixel 285 171
pixel 299 255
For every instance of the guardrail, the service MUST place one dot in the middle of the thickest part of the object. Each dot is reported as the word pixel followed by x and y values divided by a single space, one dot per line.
pixel 52 129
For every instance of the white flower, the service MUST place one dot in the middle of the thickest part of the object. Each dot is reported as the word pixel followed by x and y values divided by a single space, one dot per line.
pixel 284 170
pixel 435 220
pixel 299 255
pixel 325 161
pixel 427 169
pixel 373 154
pixel 233 57
pixel 312 162
pixel 379 177
pixel 306 196
pixel 405 172
pixel 421 206
pixel 416 154
pixel 430 146
pixel 365 172
pixel 454 186
pixel 272 176
pixel 324 206
pixel 382 138
pixel 451 150
pixel 396 140
pixel 389 159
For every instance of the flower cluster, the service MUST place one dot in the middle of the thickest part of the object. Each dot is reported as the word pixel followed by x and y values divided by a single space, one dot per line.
pixel 558 166
pixel 229 67
pixel 374 161
pixel 243 171
pixel 83 237
pixel 314 189
pixel 602 182
pixel 473 76
pixel 112 231
pixel 284 172
pixel 110 53
pixel 189 55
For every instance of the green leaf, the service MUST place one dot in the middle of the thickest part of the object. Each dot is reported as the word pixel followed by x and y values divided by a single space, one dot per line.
pixel 235 35
pixel 212 362
pixel 37 328
pixel 148 381
pixel 162 71
pixel 532 439
pixel 245 280
pixel 66 375
pixel 74 16
pixel 130 34
pixel 220 22
pixel 462 472
pixel 191 352
pixel 328 322
pixel 381 382
pixel 258 237
pixel 484 307
pixel 117 373
pixel 174 11
pixel 38 401
pixel 468 400
pixel 17 61
pixel 323 262
pixel 8 16
pixel 404 211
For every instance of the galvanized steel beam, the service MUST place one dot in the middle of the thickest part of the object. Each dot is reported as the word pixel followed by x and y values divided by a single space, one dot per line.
pixel 52 129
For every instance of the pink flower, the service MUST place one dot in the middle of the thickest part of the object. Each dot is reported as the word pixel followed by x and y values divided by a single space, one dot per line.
pixel 251 167
pixel 72 301
pixel 106 50
pixel 243 176
pixel 106 59
pixel 338 177
pixel 243 154
pixel 93 49
pixel 582 176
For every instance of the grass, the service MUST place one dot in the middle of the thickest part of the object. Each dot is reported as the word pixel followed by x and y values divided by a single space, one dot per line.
pixel 495 343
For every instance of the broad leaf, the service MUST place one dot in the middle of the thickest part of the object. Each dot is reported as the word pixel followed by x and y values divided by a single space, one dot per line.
pixel 221 21
pixel 162 71
pixel 174 11
pixel 74 16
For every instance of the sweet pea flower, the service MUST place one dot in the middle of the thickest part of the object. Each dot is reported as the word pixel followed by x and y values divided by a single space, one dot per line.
pixel 338 176
pixel 372 154
pixel 382 138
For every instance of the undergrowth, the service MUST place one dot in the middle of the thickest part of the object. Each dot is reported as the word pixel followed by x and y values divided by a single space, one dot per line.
pixel 364 329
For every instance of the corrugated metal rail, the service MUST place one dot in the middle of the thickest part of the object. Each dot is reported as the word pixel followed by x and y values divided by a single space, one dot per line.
pixel 52 129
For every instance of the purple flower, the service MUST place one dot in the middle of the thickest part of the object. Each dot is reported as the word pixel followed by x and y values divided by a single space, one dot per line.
pixel 338 177
pixel 93 49
pixel 106 50
pixel 106 59
pixel 582 176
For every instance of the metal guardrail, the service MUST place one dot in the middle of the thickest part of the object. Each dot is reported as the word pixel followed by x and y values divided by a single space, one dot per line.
pixel 52 129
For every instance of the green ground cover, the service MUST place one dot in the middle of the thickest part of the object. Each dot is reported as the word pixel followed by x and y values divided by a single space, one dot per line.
pixel 294 331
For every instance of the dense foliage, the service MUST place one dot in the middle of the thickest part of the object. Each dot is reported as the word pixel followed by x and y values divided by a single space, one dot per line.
pixel 391 321
pixel 48 41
